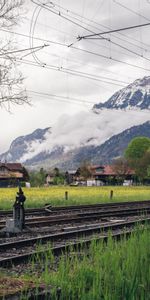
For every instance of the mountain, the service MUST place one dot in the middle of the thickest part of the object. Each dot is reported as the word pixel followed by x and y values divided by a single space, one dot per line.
pixel 21 145
pixel 115 146
pixel 135 95
pixel 102 154
pixel 98 135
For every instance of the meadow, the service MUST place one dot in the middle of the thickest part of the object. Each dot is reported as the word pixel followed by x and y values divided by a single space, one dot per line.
pixel 55 195
pixel 118 270
pixel 112 271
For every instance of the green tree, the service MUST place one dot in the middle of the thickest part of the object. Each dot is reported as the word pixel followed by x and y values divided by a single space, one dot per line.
pixel 25 174
pixel 59 177
pixel 56 172
pixel 37 178
pixel 138 156
pixel 143 166
pixel 137 148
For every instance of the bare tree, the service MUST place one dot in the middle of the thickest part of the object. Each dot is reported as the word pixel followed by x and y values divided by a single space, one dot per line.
pixel 11 79
pixel 121 168
pixel 85 170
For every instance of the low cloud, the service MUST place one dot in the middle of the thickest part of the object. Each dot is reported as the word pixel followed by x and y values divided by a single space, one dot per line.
pixel 86 128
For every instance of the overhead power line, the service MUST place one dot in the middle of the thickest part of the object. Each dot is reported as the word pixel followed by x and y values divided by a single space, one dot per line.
pixel 131 10
pixel 73 73
pixel 102 25
pixel 112 31
pixel 57 12
pixel 23 50
pixel 75 48
pixel 60 98
pixel 80 49
pixel 99 55
pixel 58 43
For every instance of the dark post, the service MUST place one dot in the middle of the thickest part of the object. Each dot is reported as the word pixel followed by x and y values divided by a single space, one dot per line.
pixel 19 212
pixel 16 214
pixel 66 195
pixel 58 293
pixel 111 194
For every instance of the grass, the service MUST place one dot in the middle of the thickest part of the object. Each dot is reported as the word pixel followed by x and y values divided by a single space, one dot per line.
pixel 37 197
pixel 112 271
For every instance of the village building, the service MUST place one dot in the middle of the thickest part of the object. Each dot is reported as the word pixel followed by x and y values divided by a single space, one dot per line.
pixel 50 179
pixel 73 176
pixel 11 174
pixel 106 174
pixel 101 175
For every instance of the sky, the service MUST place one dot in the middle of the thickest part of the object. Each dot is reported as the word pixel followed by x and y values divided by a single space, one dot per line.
pixel 69 75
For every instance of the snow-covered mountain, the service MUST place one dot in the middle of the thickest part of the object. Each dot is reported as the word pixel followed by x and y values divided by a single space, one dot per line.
pixel 86 135
pixel 135 95
pixel 21 145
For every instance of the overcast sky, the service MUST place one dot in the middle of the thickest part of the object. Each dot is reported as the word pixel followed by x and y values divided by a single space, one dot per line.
pixel 58 73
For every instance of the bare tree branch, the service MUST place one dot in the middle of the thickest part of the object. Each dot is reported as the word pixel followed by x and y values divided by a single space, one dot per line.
pixel 10 78
pixel 10 12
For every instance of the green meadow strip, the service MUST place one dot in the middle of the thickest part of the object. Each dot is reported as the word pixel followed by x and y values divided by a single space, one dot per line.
pixel 112 271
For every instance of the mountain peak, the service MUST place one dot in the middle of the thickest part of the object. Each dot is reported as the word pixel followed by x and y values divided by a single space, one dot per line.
pixel 135 96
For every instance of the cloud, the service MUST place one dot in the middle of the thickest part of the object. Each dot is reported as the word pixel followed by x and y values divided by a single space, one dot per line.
pixel 46 111
pixel 86 128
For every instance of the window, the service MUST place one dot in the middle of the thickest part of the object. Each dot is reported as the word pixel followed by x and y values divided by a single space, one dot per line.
pixel 99 170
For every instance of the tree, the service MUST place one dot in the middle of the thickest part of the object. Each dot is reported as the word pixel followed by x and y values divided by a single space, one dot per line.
pixel 56 172
pixel 37 178
pixel 85 170
pixel 138 156
pixel 137 148
pixel 121 168
pixel 25 174
pixel 10 78
pixel 143 166
pixel 59 178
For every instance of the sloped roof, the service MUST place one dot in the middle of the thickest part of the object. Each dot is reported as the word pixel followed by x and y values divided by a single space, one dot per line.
pixel 12 166
pixel 108 170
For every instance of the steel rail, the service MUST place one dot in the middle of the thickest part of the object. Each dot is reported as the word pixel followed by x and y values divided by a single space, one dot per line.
pixel 76 207
pixel 81 217
pixel 56 237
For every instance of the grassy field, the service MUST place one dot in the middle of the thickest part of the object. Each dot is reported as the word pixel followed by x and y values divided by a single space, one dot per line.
pixel 112 271
pixel 37 197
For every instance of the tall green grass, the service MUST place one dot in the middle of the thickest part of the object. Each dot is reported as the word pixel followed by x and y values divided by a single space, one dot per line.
pixel 112 271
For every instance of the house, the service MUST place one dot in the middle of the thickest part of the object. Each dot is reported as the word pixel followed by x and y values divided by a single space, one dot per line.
pixel 107 174
pixel 11 174
pixel 72 176
pixel 49 179
pixel 101 175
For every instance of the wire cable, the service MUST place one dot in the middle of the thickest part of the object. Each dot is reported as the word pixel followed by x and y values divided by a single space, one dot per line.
pixel 95 34
pixel 112 31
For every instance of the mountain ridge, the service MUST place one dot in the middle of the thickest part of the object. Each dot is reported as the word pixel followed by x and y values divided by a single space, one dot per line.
pixel 92 135
pixel 136 94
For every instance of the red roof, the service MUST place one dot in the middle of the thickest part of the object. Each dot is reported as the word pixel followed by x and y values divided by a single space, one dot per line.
pixel 108 170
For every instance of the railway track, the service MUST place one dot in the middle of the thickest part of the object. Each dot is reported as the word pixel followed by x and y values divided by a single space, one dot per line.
pixel 80 217
pixel 17 252
pixel 53 209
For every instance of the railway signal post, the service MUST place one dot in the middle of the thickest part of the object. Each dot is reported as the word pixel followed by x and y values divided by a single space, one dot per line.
pixel 17 223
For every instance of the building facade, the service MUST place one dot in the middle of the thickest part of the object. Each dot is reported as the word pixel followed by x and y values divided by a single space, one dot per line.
pixel 11 174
